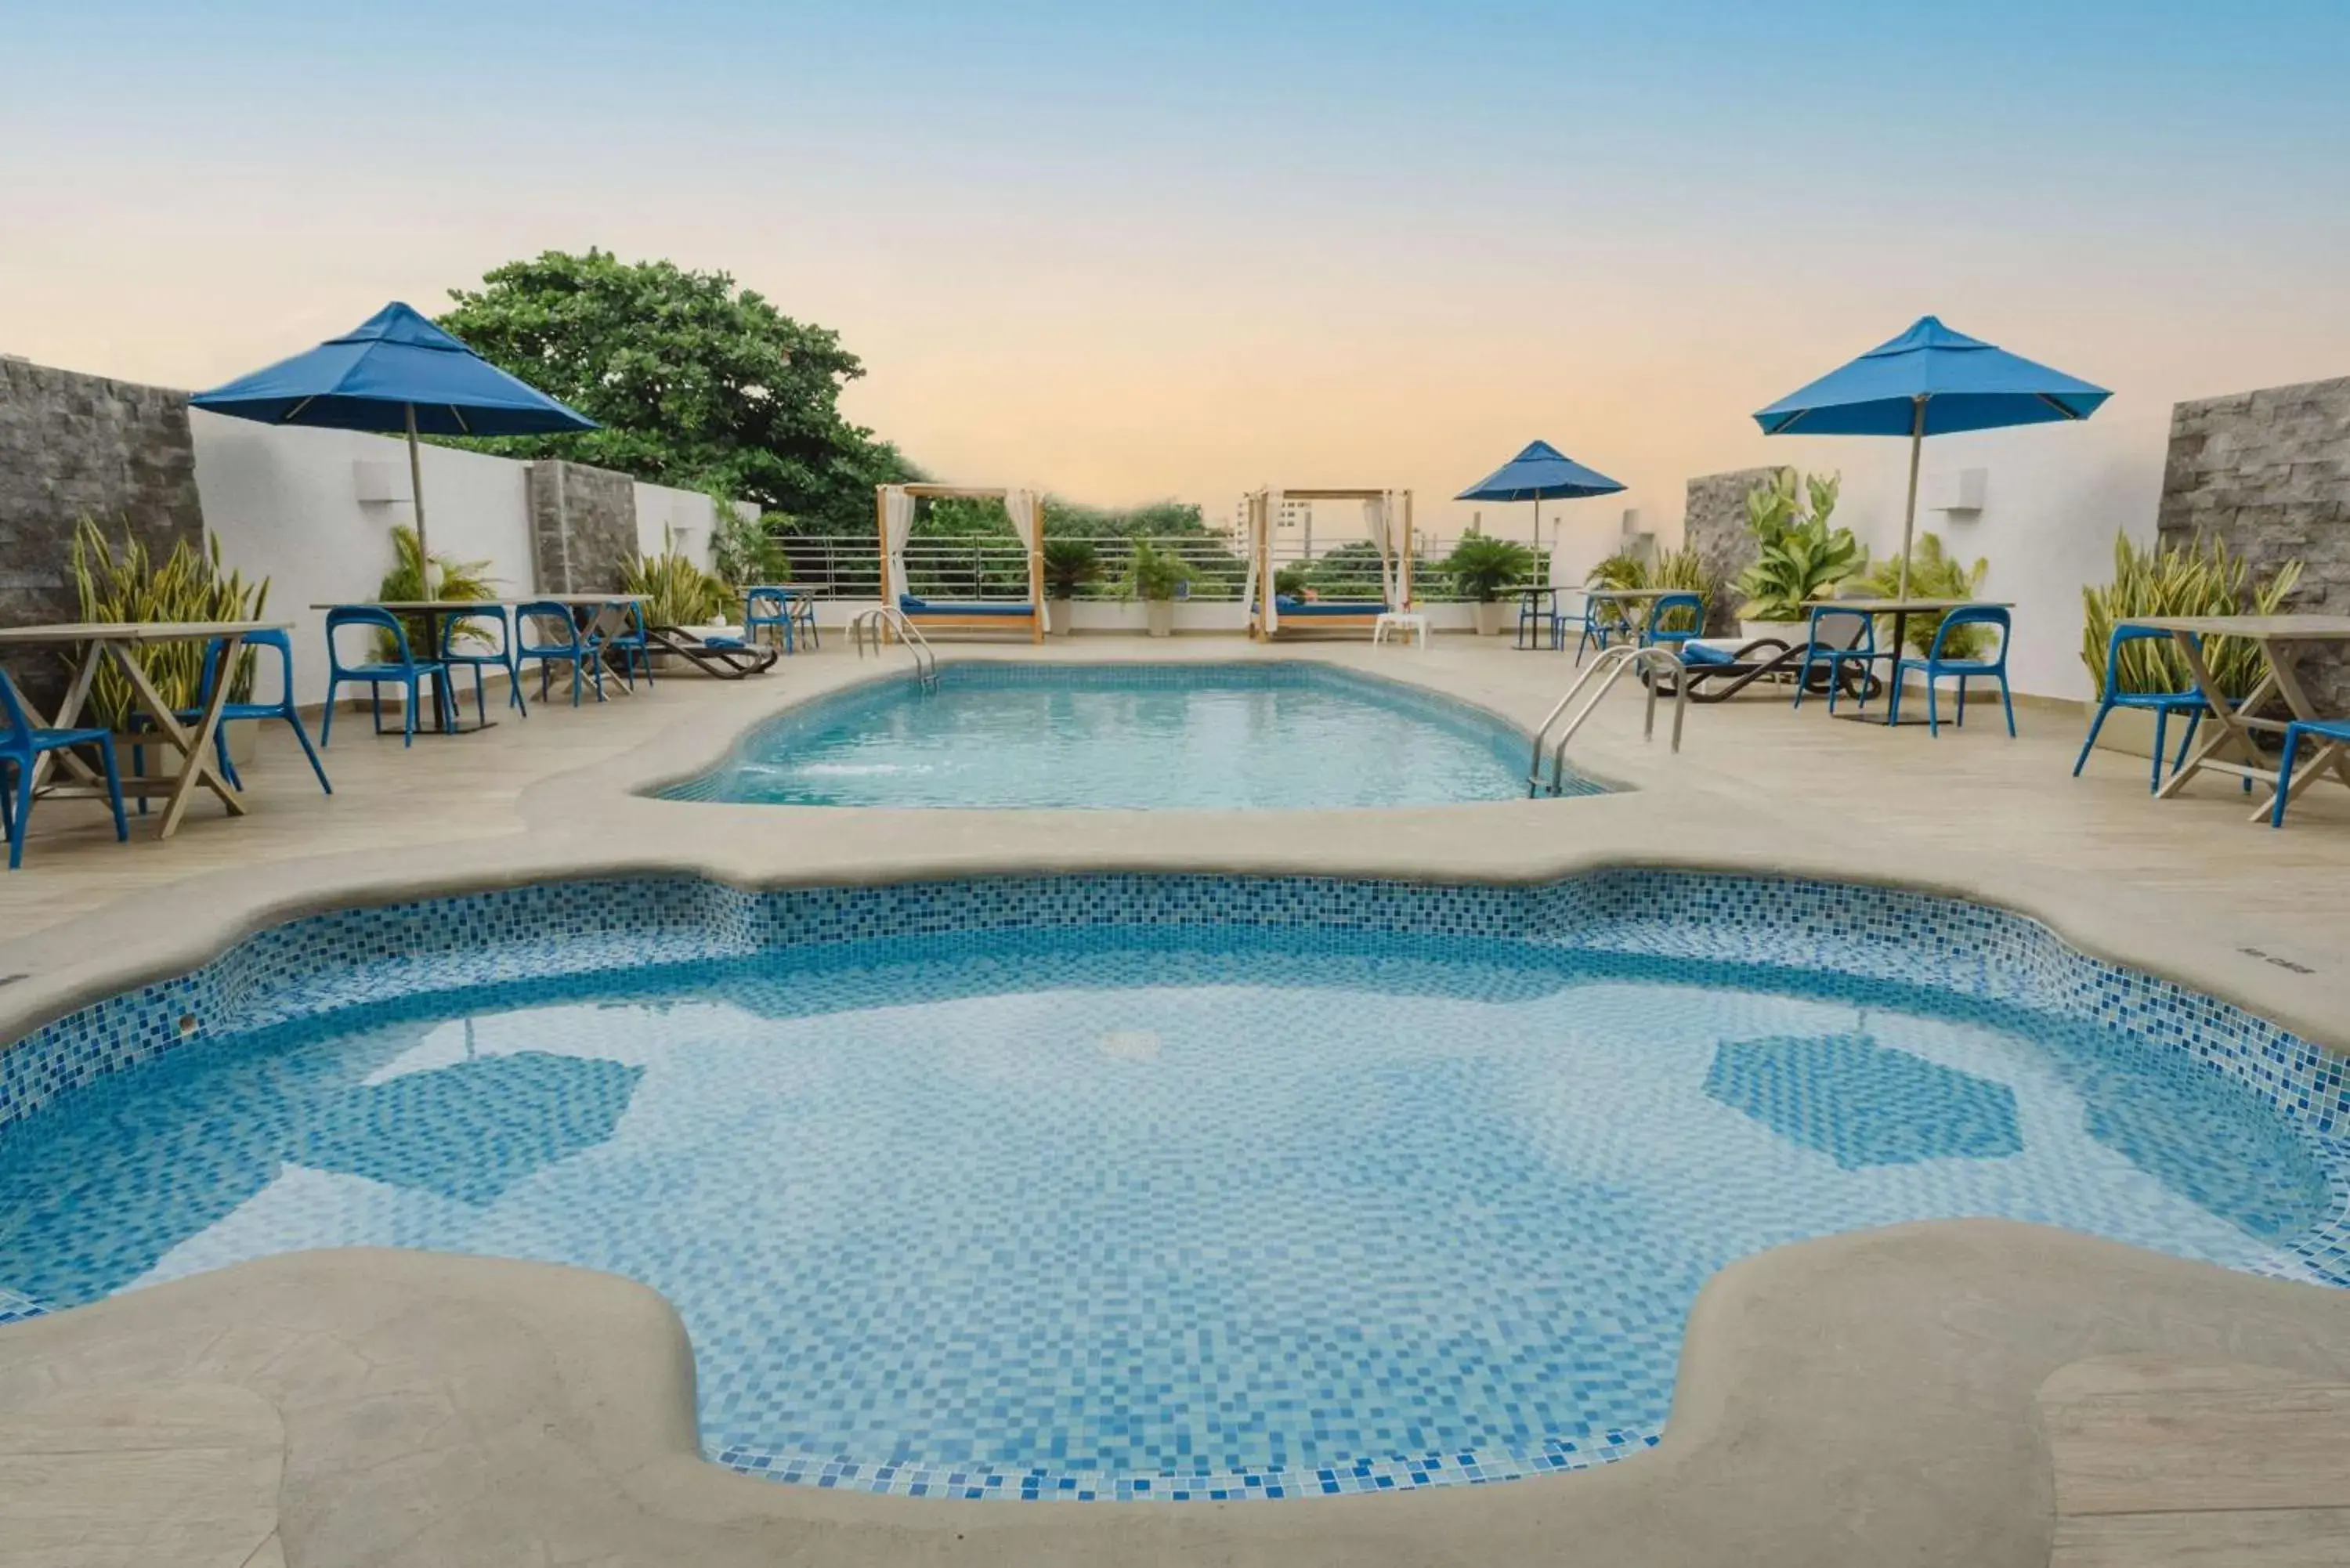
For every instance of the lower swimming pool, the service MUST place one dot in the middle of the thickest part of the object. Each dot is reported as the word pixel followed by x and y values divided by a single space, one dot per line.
pixel 1157 1187
pixel 1268 734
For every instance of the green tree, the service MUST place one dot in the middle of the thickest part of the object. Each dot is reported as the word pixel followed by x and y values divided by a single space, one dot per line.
pixel 697 383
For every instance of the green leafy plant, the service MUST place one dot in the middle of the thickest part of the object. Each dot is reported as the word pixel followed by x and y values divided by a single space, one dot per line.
pixel 1934 574
pixel 1681 570
pixel 1626 569
pixel 1069 564
pixel 1800 556
pixel 1292 581
pixel 451 579
pixel 2201 578
pixel 122 583
pixel 744 551
pixel 1481 565
pixel 677 591
pixel 1155 573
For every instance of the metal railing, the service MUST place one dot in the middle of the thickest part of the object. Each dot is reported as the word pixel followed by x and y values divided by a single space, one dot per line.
pixel 873 622
pixel 989 568
pixel 1608 668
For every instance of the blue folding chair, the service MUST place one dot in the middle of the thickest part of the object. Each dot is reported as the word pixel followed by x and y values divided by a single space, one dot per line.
pixel 1938 667
pixel 549 633
pixel 635 647
pixel 1837 637
pixel 1603 622
pixel 785 611
pixel 458 630
pixel 2336 732
pixel 21 747
pixel 403 670
pixel 247 710
pixel 2161 704
pixel 1655 634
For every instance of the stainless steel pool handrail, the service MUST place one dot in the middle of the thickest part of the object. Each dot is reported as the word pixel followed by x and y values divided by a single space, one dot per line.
pixel 1608 668
pixel 873 621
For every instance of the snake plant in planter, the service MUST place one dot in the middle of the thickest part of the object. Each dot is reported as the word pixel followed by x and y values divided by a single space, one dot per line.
pixel 122 583
pixel 677 592
pixel 2201 578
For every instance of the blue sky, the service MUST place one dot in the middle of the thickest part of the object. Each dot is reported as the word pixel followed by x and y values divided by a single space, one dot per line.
pixel 1438 221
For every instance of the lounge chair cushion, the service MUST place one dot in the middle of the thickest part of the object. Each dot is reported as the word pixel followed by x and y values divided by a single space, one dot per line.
pixel 1325 607
pixel 1696 652
pixel 913 605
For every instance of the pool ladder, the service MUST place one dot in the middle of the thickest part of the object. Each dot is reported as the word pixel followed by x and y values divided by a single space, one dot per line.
pixel 1608 668
pixel 883 618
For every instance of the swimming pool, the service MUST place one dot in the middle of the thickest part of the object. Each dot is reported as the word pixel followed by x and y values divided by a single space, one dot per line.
pixel 1274 734
pixel 1158 1187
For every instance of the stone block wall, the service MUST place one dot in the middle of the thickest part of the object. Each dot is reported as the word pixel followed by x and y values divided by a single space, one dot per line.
pixel 2268 473
pixel 583 526
pixel 1714 525
pixel 75 446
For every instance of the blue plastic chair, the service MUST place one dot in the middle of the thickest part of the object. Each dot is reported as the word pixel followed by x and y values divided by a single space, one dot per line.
pixel 404 670
pixel 1603 622
pixel 248 711
pixel 635 647
pixel 2299 730
pixel 2161 704
pixel 454 631
pixel 783 611
pixel 1538 623
pixel 560 642
pixel 1938 667
pixel 21 746
pixel 1835 641
pixel 1656 635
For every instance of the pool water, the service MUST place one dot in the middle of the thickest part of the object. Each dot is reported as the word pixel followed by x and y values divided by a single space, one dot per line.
pixel 1143 1212
pixel 1267 735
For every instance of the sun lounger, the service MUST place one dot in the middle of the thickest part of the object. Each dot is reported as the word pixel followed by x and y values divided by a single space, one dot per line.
pixel 725 658
pixel 1718 668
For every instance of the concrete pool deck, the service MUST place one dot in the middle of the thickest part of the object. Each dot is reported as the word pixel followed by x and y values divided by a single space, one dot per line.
pixel 1866 1399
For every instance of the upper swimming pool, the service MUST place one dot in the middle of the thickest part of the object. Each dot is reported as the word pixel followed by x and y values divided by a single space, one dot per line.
pixel 1256 736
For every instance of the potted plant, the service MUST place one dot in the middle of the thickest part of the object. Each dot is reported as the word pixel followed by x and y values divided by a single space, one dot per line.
pixel 1934 574
pixel 1156 576
pixel 1799 557
pixel 1480 566
pixel 124 584
pixel 1069 564
pixel 677 593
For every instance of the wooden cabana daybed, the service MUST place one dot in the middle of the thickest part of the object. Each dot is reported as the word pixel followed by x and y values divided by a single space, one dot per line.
pixel 1387 518
pixel 893 506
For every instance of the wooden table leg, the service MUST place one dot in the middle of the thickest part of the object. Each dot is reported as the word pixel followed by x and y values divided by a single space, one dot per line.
pixel 2331 755
pixel 2225 727
pixel 197 765
pixel 69 715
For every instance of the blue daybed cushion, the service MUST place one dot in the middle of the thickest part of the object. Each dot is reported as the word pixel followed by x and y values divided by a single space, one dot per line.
pixel 913 605
pixel 1325 607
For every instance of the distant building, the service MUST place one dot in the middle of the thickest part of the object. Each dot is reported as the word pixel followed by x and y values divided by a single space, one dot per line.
pixel 1295 516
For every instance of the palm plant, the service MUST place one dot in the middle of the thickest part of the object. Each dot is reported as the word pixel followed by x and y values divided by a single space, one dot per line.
pixel 1934 574
pixel 1156 572
pixel 1069 564
pixel 2200 578
pixel 123 584
pixel 1481 565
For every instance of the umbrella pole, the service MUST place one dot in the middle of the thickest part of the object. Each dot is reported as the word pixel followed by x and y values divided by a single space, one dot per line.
pixel 1910 517
pixel 415 502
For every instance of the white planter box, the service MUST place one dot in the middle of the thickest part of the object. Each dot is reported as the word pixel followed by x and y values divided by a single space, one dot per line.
pixel 1159 616
pixel 1794 633
pixel 1490 617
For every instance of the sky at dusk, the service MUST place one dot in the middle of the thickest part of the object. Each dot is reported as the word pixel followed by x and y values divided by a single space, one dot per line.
pixel 1125 251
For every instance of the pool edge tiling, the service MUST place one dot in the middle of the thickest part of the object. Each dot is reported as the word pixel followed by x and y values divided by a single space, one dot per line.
pixel 322 964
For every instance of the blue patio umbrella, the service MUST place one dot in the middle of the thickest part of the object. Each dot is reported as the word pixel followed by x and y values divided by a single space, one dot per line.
pixel 395 372
pixel 1928 381
pixel 1540 472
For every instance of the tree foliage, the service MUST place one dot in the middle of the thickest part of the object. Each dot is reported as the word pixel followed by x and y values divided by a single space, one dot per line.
pixel 697 383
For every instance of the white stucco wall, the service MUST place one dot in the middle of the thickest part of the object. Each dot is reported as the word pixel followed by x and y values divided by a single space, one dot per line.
pixel 285 504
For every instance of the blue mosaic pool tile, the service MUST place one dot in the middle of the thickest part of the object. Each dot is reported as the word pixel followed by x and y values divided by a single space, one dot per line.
pixel 1821 937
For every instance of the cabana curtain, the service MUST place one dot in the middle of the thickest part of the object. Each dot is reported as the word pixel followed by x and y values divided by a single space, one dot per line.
pixel 1268 519
pixel 897 523
pixel 1028 521
pixel 1378 513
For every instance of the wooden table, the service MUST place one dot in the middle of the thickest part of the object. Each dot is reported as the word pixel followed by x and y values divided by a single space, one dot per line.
pixel 2281 639
pixel 602 620
pixel 121 641
pixel 1901 610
